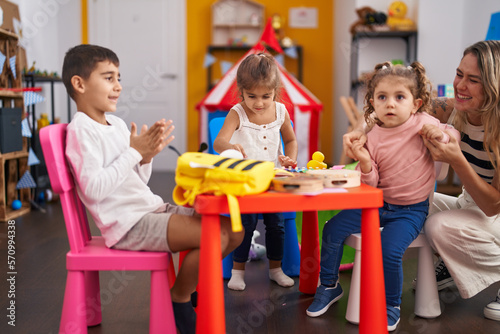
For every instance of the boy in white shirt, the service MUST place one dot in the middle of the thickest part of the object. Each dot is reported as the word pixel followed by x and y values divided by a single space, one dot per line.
pixel 112 166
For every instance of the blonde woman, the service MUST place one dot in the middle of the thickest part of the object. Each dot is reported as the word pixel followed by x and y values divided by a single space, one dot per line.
pixel 465 231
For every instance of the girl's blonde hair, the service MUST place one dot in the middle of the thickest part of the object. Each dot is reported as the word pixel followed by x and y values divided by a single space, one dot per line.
pixel 258 70
pixel 416 81
pixel 488 62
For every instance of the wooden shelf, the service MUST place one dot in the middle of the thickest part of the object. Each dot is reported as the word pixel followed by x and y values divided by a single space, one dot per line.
pixel 237 25
pixel 14 155
pixel 13 165
pixel 4 93
pixel 236 20
pixel 13 214
pixel 384 34
pixel 452 190
pixel 41 78
pixel 5 33
pixel 448 186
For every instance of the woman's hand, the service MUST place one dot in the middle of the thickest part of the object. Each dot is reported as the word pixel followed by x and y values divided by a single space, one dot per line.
pixel 446 152
pixel 431 132
pixel 486 196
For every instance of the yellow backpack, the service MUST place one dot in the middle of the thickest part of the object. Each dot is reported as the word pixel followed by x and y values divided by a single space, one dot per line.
pixel 203 173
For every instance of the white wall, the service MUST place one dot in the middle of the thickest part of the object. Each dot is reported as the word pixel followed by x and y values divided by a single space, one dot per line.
pixel 445 28
pixel 50 27
pixel 440 43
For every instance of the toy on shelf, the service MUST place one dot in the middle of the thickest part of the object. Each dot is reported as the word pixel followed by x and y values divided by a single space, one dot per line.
pixel 16 204
pixel 34 71
pixel 32 68
pixel 42 121
pixel 317 161
pixel 277 23
pixel 47 196
pixel 397 19
pixel 369 20
pixel 243 41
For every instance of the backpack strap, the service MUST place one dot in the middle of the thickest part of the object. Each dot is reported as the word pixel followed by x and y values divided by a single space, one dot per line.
pixel 183 196
pixel 234 212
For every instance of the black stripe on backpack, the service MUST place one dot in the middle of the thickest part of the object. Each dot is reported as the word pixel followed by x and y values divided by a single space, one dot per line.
pixel 252 165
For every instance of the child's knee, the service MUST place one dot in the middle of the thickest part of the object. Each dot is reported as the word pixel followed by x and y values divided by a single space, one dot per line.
pixel 227 233
pixel 238 237
pixel 433 229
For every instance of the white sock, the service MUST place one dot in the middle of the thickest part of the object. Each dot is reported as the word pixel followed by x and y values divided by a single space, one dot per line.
pixel 279 277
pixel 237 281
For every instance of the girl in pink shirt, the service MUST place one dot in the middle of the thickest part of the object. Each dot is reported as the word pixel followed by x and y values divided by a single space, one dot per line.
pixel 396 160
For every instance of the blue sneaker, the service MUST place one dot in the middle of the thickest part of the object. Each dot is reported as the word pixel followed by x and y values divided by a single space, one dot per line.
pixel 324 298
pixel 393 313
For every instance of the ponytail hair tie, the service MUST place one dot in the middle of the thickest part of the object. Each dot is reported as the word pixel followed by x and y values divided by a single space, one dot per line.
pixel 409 67
pixel 384 67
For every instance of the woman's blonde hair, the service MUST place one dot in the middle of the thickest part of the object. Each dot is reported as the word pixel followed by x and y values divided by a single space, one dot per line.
pixel 417 82
pixel 488 62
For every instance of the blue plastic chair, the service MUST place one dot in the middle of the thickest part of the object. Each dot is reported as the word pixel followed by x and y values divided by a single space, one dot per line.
pixel 291 252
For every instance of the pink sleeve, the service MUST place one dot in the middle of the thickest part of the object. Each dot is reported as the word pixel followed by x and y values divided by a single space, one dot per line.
pixel 450 129
pixel 370 178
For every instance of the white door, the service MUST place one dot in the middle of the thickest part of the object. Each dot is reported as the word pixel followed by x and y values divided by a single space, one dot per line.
pixel 149 38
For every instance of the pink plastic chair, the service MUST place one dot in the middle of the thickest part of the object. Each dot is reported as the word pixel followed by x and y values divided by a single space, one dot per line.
pixel 88 254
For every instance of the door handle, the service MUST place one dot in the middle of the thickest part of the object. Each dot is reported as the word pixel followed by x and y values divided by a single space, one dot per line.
pixel 170 76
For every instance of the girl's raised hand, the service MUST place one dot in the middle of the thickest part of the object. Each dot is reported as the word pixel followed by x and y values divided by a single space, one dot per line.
pixel 286 161
pixel 351 137
pixel 361 154
pixel 240 149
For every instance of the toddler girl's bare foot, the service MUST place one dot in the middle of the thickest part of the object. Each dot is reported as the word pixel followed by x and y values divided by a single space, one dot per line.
pixel 277 275
pixel 237 281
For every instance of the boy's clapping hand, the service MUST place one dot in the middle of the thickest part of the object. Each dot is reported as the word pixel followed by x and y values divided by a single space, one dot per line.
pixel 150 142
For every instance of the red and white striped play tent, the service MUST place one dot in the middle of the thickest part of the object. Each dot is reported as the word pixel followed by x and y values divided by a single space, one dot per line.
pixel 302 105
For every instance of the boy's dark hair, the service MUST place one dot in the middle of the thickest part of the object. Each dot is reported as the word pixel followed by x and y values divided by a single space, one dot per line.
pixel 81 60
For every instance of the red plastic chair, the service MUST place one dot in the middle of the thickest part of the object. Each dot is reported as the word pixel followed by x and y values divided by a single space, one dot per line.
pixel 88 254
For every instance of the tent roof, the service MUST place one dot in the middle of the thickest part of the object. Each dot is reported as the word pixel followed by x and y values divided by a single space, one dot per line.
pixel 224 95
